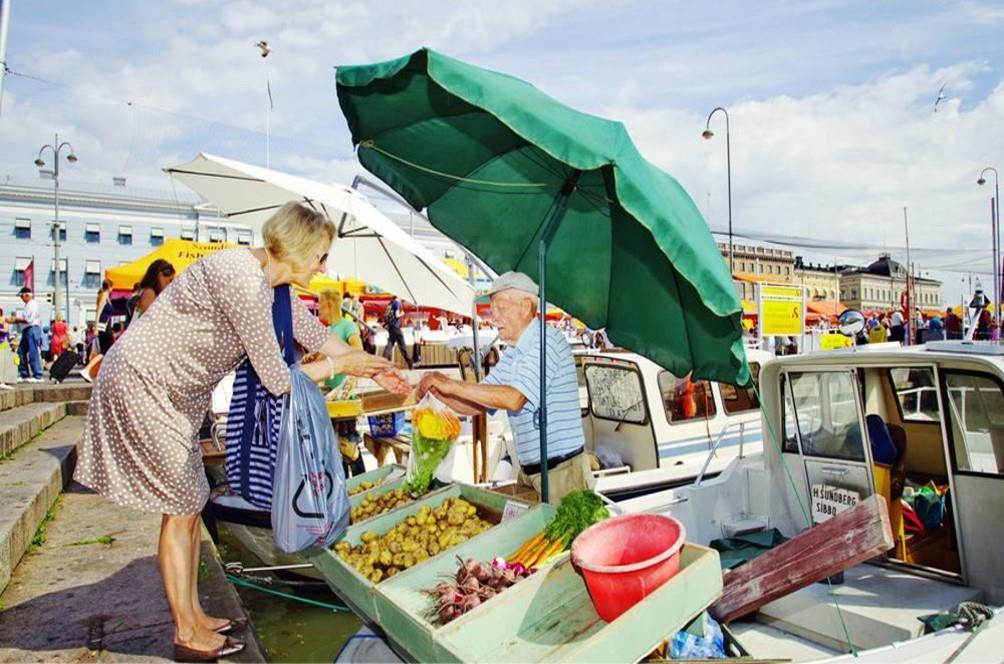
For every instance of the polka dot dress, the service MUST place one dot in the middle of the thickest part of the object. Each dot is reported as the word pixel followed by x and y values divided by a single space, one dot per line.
pixel 140 446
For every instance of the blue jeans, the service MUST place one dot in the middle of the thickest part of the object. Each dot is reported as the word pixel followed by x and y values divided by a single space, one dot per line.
pixel 29 352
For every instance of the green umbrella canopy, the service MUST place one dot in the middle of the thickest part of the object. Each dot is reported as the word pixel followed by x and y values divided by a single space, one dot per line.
pixel 486 155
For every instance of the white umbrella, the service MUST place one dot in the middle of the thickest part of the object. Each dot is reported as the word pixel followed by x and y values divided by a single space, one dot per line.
pixel 370 247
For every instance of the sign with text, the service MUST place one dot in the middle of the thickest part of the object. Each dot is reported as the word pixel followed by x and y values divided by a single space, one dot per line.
pixel 829 501
pixel 782 310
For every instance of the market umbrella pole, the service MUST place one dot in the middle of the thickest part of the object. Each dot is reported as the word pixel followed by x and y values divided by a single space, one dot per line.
pixel 550 228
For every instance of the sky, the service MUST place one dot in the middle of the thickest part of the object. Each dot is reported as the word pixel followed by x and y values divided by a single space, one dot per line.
pixel 833 127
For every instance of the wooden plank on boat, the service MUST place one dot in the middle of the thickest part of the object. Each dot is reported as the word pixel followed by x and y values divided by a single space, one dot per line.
pixel 851 537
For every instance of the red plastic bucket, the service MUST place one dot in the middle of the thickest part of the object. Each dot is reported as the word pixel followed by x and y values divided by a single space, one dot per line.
pixel 625 558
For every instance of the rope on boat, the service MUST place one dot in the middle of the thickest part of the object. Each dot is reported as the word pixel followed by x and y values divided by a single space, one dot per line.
pixel 805 512
pixel 244 583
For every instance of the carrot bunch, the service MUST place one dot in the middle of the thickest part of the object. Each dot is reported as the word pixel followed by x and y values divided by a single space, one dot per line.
pixel 538 550
pixel 577 511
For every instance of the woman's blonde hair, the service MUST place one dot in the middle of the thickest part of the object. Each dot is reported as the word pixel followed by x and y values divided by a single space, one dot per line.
pixel 295 232
pixel 329 301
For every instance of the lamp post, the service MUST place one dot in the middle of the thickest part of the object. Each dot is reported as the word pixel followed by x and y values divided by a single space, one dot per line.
pixel 264 49
pixel 995 228
pixel 56 147
pixel 707 134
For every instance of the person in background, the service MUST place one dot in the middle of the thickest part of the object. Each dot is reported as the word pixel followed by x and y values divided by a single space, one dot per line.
pixel 105 337
pixel 28 348
pixel 134 300
pixel 46 348
pixel 897 327
pixel 90 339
pixel 392 321
pixel 330 308
pixel 159 274
pixel 878 333
pixel 73 342
pixel 953 324
pixel 514 384
pixel 60 338
pixel 140 446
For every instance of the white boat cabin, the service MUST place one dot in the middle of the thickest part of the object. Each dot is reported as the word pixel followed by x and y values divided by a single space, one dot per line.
pixel 650 430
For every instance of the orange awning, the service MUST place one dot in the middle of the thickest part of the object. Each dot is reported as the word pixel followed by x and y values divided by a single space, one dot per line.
pixel 825 307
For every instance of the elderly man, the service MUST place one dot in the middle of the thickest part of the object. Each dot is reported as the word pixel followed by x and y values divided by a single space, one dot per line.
pixel 514 384
pixel 28 349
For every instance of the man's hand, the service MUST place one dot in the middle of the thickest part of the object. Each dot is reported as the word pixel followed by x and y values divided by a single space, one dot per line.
pixel 392 381
pixel 432 379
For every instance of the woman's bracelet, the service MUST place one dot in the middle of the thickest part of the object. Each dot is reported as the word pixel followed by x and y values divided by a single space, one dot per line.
pixel 331 367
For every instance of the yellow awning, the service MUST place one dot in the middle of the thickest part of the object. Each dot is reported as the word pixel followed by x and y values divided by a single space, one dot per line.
pixel 179 253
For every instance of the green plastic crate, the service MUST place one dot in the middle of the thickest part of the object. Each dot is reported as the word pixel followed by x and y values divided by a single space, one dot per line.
pixel 358 591
pixel 377 475
pixel 550 618
pixel 403 608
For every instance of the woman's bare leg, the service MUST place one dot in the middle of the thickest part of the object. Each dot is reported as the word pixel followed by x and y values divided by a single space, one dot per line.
pixel 206 621
pixel 175 558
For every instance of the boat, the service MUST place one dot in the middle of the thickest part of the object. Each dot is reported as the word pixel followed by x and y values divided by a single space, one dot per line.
pixel 844 425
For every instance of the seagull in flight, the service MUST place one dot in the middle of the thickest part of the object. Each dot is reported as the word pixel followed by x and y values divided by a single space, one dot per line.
pixel 265 48
pixel 941 95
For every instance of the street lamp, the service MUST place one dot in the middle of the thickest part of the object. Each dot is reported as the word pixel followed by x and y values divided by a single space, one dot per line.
pixel 56 147
pixel 708 134
pixel 995 228
pixel 264 50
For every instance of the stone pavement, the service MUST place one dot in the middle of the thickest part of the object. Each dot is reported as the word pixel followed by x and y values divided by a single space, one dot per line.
pixel 77 598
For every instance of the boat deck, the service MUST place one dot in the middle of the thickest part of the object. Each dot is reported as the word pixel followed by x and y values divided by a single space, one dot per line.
pixel 880 606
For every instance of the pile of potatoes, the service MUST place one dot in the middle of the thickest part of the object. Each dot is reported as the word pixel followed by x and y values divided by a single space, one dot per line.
pixel 364 486
pixel 373 505
pixel 415 539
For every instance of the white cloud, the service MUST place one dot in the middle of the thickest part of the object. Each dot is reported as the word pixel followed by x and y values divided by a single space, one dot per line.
pixel 831 104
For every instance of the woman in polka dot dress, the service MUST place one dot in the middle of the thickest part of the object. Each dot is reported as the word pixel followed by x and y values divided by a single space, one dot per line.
pixel 140 445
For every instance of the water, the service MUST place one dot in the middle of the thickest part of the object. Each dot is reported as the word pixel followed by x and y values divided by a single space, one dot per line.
pixel 291 631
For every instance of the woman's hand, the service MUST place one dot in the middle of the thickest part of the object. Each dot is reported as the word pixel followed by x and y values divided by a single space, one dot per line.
pixel 393 382
pixel 361 363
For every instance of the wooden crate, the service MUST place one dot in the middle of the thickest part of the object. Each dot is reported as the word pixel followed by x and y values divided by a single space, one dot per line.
pixel 359 592
pixel 403 608
pixel 550 618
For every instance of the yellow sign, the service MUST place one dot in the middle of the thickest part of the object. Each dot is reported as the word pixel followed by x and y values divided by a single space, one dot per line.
pixel 834 341
pixel 782 310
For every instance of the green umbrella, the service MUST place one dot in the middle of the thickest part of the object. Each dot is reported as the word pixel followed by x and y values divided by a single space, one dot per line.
pixel 520 179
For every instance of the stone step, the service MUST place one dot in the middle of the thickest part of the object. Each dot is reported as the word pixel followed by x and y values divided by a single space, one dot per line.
pixel 19 425
pixel 30 482
pixel 10 399
pixel 73 389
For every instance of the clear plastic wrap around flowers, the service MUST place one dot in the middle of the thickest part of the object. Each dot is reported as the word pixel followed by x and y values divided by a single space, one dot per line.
pixel 434 429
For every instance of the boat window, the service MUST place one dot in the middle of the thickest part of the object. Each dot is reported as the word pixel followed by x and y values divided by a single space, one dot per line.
pixel 826 415
pixel 916 393
pixel 741 400
pixel 977 413
pixel 686 399
pixel 615 393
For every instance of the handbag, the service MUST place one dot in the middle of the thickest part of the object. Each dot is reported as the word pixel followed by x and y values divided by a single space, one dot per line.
pixel 255 415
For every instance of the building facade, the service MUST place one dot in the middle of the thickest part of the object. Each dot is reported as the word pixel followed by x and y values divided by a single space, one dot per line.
pixel 880 286
pixel 753 265
pixel 822 282
pixel 100 227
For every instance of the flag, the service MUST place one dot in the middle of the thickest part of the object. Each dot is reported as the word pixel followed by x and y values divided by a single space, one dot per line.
pixel 29 275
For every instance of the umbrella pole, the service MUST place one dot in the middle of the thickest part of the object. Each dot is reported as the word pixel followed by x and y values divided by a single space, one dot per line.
pixel 550 228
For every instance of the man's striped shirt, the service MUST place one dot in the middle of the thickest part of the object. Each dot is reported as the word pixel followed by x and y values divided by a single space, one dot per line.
pixel 519 367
